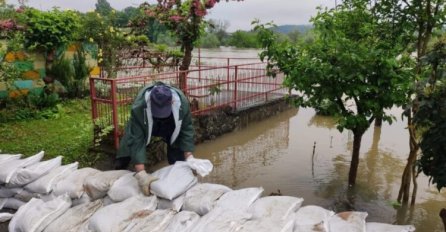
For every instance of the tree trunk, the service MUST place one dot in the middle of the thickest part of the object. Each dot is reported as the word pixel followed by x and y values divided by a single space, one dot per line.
pixel 404 192
pixel 185 66
pixel 357 137
pixel 378 121
pixel 443 217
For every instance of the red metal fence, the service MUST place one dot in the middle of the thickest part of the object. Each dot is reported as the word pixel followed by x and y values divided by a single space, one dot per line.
pixel 209 87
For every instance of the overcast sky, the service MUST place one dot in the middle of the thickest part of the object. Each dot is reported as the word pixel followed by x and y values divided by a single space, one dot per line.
pixel 238 14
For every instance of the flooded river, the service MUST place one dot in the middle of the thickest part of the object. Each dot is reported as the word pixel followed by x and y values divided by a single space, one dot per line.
pixel 277 154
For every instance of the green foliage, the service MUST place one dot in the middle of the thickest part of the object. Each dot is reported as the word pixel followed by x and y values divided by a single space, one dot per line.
pixel 243 39
pixel 431 116
pixel 35 105
pixel 103 7
pixel 209 41
pixel 99 29
pixel 69 134
pixel 346 64
pixel 81 71
pixel 50 30
pixel 124 17
pixel 61 70
pixel 8 74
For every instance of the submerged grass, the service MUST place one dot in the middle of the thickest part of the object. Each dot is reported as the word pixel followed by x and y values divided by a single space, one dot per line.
pixel 68 133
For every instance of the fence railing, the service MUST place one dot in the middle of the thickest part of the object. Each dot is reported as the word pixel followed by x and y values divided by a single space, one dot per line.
pixel 232 87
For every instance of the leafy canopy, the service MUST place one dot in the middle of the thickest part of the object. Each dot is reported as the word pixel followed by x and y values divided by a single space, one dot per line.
pixel 431 116
pixel 348 65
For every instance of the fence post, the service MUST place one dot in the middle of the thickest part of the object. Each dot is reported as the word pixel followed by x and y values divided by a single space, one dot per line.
pixel 199 64
pixel 115 113
pixel 235 87
pixel 227 74
pixel 94 110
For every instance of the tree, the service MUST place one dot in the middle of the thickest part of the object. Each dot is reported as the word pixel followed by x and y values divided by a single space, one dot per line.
pixel 243 39
pixel 431 116
pixel 185 19
pixel 209 40
pixel 103 7
pixel 418 18
pixel 219 27
pixel 47 31
pixel 124 17
pixel 294 36
pixel 346 65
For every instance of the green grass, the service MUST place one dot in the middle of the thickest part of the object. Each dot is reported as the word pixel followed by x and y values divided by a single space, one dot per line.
pixel 69 134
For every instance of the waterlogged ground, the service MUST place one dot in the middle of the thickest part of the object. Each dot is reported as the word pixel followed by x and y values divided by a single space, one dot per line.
pixel 277 154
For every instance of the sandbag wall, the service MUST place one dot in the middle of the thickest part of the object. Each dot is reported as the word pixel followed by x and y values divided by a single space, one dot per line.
pixel 48 196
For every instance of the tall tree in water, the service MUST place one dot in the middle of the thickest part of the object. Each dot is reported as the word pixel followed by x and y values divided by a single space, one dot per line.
pixel 421 18
pixel 431 115
pixel 185 18
pixel 347 65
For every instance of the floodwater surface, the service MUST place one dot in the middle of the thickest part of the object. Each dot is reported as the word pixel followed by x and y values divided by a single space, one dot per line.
pixel 304 155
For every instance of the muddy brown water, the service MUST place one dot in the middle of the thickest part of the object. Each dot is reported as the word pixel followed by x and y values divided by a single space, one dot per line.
pixel 277 154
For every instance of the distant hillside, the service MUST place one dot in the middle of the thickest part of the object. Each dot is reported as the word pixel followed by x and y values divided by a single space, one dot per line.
pixel 285 29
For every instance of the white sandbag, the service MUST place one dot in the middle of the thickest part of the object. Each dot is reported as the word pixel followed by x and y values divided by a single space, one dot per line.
pixel 153 221
pixel 8 168
pixel 9 192
pixel 45 184
pixel 202 197
pixel 182 221
pixel 117 216
pixel 8 157
pixel 4 217
pixel 28 174
pixel 25 195
pixel 48 197
pixel 175 204
pixel 81 200
pixel 37 214
pixel 97 185
pixel 73 184
pixel 380 227
pixel 267 225
pixel 108 201
pixel 174 180
pixel 312 218
pixel 239 199
pixel 347 222
pixel 124 187
pixel 74 218
pixel 221 219
pixel 11 203
pixel 275 207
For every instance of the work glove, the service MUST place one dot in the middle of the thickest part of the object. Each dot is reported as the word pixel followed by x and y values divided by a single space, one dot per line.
pixel 202 166
pixel 144 181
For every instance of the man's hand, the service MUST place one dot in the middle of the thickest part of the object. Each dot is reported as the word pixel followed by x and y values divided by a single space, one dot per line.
pixel 144 181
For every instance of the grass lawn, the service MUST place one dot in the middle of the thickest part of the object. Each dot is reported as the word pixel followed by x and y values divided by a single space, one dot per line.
pixel 68 133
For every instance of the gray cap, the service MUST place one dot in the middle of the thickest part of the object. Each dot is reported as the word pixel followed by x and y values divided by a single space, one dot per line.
pixel 161 101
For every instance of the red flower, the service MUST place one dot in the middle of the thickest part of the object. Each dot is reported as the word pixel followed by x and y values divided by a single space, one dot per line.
pixel 210 3
pixel 175 18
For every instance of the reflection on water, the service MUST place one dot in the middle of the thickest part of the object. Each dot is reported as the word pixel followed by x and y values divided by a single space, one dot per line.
pixel 278 154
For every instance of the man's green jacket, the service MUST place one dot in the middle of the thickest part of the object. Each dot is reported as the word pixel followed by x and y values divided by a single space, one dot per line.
pixel 139 128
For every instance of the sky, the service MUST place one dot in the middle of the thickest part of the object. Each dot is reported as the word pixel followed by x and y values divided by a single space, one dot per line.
pixel 239 15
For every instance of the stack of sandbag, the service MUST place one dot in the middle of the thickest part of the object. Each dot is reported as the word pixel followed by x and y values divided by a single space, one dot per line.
pixel 52 197
pixel 17 174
